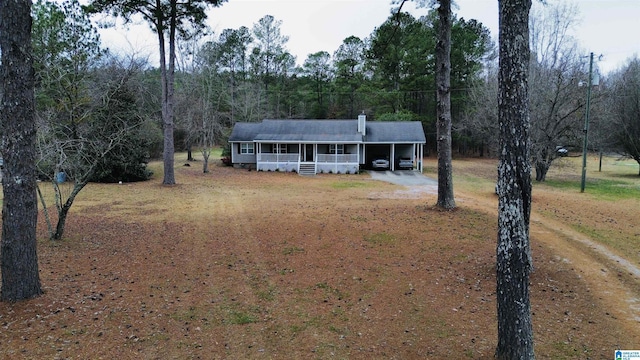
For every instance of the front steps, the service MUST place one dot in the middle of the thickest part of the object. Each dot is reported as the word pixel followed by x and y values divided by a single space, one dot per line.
pixel 307 169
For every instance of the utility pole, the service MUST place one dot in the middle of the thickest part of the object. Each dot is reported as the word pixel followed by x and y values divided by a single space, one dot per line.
pixel 586 126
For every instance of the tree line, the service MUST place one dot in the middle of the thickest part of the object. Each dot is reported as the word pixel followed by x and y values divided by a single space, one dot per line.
pixel 247 74
pixel 390 75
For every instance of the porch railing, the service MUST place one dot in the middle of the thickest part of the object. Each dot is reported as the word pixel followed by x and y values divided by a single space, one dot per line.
pixel 337 158
pixel 320 158
pixel 278 157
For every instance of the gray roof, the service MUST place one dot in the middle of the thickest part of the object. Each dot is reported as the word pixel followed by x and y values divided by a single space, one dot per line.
pixel 309 131
pixel 328 131
pixel 395 132
pixel 244 131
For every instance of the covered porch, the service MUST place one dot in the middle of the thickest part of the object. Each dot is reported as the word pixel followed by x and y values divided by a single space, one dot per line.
pixel 309 158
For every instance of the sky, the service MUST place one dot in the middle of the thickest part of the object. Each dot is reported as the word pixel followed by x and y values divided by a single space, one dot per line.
pixel 610 28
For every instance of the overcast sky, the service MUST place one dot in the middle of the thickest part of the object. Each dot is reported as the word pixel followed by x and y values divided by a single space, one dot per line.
pixel 607 27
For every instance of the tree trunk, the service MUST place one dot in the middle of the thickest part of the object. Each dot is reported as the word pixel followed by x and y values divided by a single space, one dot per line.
pixel 513 261
pixel 189 152
pixel 63 209
pixel 541 170
pixel 62 221
pixel 167 76
pixel 443 96
pixel 205 163
pixel 20 278
pixel 233 97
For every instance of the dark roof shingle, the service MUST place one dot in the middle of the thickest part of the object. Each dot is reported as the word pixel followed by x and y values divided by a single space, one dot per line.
pixel 395 132
pixel 328 131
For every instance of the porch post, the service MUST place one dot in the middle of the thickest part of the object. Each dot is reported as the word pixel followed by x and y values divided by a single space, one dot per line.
pixel 335 159
pixel 300 157
pixel 234 148
pixel 258 151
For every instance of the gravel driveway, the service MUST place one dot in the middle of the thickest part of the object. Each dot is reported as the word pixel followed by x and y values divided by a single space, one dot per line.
pixel 403 177
pixel 417 184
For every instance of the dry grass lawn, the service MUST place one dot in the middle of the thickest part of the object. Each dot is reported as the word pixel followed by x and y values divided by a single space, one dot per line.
pixel 240 264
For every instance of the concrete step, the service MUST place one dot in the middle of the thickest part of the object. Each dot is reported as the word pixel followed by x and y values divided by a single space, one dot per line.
pixel 307 169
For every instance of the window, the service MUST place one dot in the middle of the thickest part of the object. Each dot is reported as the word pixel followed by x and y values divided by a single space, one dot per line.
pixel 336 148
pixel 280 148
pixel 246 148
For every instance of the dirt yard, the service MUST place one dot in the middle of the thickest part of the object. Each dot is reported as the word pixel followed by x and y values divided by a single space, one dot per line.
pixel 239 264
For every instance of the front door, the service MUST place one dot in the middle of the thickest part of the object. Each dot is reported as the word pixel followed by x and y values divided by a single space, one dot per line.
pixel 308 153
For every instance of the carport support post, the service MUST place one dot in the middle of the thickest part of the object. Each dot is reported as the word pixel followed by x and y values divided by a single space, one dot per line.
pixel 414 151
pixel 420 157
pixel 392 158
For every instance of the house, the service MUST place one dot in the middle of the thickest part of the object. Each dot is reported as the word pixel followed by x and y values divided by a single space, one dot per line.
pixel 325 146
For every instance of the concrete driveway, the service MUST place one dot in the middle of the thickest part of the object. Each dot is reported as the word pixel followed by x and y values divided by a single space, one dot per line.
pixel 403 177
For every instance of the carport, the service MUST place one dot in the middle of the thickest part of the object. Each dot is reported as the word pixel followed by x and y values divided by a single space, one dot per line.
pixel 393 152
pixel 393 140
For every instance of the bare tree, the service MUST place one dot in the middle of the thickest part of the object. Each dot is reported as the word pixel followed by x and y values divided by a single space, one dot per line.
pixel 557 102
pixel 81 156
pixel 556 99
pixel 626 110
pixel 206 119
pixel 480 118
pixel 213 118
pixel 205 101
pixel 557 108
pixel 187 107
pixel 513 252
pixel 208 134
pixel 19 259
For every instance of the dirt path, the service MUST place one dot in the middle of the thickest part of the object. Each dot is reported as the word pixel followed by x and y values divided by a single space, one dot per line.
pixel 614 280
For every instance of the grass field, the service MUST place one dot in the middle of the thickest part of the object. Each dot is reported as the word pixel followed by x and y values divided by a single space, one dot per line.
pixel 239 264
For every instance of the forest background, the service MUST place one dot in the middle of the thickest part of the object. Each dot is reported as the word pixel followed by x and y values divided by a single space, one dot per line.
pixel 247 74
